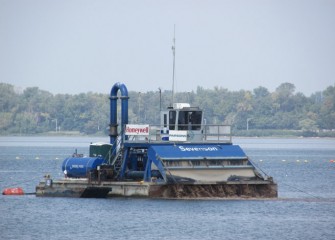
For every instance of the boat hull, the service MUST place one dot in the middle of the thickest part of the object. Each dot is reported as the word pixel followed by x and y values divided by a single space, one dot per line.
pixel 230 189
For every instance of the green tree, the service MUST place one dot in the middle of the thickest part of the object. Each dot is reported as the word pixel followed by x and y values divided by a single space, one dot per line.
pixel 8 97
pixel 8 106
pixel 283 97
pixel 327 111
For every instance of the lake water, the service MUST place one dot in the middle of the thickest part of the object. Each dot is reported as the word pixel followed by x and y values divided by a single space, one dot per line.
pixel 302 168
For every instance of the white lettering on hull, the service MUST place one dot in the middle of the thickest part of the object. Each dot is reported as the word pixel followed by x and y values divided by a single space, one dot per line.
pixel 197 149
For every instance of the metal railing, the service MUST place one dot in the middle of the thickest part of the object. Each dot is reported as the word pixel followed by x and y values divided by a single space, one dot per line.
pixel 157 133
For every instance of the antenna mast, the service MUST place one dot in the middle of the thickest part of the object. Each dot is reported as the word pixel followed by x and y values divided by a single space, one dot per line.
pixel 174 57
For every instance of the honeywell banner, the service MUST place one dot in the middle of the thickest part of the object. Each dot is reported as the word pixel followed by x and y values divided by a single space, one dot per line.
pixel 132 129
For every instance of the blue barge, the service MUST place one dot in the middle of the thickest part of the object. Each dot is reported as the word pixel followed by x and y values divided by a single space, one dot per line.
pixel 180 158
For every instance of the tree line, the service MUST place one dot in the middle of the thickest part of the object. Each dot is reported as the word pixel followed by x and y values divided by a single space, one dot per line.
pixel 35 111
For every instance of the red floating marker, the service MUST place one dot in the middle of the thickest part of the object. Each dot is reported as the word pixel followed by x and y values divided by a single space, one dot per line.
pixel 13 191
pixel 332 160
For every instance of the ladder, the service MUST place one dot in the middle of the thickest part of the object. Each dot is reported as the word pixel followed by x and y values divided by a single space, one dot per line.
pixel 117 162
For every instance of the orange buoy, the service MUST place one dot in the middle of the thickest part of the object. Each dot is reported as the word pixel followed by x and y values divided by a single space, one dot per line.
pixel 13 191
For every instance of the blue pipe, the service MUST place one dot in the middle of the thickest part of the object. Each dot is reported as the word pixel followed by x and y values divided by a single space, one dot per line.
pixel 113 111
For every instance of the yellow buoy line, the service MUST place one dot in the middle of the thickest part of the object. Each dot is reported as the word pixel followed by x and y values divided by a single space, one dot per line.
pixel 261 160
pixel 299 161
pixel 36 158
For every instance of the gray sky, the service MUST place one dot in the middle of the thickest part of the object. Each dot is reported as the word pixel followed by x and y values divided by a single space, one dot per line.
pixel 73 46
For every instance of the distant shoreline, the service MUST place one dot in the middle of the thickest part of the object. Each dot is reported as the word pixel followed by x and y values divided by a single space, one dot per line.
pixel 239 134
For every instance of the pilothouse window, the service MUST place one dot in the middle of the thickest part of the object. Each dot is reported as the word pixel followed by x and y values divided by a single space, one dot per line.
pixel 172 120
pixel 165 120
pixel 189 120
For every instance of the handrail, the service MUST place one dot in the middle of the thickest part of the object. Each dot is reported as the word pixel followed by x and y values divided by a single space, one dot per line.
pixel 197 133
pixel 113 151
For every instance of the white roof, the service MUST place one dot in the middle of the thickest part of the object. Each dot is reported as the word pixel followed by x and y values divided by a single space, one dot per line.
pixel 181 105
